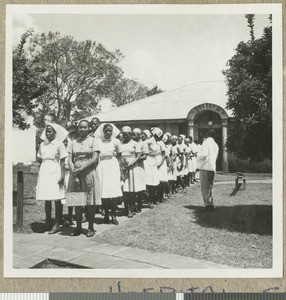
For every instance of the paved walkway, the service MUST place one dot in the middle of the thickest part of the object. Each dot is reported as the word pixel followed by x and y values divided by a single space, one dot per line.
pixel 30 249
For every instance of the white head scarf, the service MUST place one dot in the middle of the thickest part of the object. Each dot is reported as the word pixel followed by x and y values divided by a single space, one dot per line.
pixel 126 129
pixel 165 138
pixel 137 130
pixel 148 133
pixel 100 134
pixel 157 131
pixel 61 133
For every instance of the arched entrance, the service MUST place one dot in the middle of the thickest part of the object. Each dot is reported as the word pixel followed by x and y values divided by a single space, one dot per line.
pixel 205 116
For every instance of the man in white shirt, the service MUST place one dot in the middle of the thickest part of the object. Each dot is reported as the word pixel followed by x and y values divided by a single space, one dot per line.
pixel 206 163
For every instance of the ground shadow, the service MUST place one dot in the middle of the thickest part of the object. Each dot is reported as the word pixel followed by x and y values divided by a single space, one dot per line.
pixel 39 227
pixel 255 219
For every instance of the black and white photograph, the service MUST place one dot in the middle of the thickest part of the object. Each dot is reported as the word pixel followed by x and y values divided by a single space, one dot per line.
pixel 143 141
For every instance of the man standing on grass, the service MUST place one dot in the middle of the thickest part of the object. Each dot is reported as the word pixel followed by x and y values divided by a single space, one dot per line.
pixel 206 163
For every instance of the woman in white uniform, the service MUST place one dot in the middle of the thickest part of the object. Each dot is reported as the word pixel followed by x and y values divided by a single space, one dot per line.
pixel 108 169
pixel 50 184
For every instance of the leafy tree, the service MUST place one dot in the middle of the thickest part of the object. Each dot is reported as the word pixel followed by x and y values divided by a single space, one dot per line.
pixel 128 90
pixel 249 81
pixel 80 73
pixel 153 91
pixel 29 83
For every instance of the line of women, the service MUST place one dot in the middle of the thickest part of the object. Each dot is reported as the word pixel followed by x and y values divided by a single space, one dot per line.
pixel 110 167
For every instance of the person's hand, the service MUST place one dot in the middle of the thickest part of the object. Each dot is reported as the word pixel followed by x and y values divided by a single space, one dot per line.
pixel 61 181
pixel 75 172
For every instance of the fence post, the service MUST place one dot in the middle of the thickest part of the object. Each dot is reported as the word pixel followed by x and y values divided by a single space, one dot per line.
pixel 20 198
pixel 244 184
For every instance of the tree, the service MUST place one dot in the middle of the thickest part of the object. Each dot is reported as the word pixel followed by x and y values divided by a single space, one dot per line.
pixel 153 91
pixel 128 90
pixel 249 82
pixel 80 73
pixel 29 83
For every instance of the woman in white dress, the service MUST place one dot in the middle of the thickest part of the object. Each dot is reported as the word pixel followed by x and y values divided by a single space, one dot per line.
pixel 132 176
pixel 50 184
pixel 108 169
pixel 151 169
pixel 162 164
pixel 136 136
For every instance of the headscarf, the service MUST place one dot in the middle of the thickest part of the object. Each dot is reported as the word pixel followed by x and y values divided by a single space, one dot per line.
pixel 187 140
pixel 61 133
pixel 165 138
pixel 126 129
pixel 137 130
pixel 157 131
pixel 182 136
pixel 168 134
pixel 174 137
pixel 148 133
pixel 99 133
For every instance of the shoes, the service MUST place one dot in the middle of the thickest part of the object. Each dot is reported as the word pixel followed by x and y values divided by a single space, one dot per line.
pixel 114 222
pixel 209 208
pixel 68 223
pixel 56 228
pixel 77 232
pixel 106 220
pixel 90 233
pixel 139 211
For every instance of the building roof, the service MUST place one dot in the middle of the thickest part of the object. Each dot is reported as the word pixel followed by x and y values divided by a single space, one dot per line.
pixel 169 105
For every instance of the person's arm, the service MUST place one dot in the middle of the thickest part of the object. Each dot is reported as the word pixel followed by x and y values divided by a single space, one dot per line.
pixel 70 162
pixel 62 164
pixel 90 163
pixel 137 156
pixel 163 158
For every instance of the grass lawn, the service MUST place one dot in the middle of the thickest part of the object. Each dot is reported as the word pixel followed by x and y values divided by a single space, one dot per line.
pixel 238 233
pixel 248 176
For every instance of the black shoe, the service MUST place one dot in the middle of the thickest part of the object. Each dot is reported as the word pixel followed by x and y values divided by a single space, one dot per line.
pixel 114 222
pixel 77 232
pixel 56 228
pixel 90 233
pixel 209 208
pixel 106 220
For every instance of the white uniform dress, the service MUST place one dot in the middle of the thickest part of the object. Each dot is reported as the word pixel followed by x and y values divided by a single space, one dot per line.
pixel 193 162
pixel 50 171
pixel 134 180
pixel 181 148
pixel 151 165
pixel 108 168
pixel 163 170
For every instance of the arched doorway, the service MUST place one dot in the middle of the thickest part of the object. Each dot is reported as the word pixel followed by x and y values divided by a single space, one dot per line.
pixel 205 116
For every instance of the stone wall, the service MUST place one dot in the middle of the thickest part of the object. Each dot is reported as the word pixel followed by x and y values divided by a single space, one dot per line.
pixel 30 179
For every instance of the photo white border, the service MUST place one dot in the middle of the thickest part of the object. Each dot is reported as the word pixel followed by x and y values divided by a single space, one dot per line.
pixel 277 124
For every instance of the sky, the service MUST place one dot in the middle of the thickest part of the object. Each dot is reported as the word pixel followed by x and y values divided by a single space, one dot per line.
pixel 170 51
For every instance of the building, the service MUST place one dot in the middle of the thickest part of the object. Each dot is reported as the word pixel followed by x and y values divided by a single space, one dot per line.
pixel 189 110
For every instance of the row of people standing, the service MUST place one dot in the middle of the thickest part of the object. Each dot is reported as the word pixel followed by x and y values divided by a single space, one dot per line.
pixel 109 166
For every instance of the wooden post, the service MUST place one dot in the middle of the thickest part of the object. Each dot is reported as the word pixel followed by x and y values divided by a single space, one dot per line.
pixel 244 183
pixel 20 198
